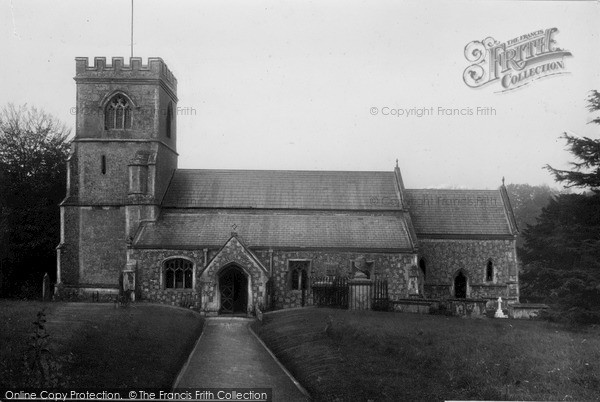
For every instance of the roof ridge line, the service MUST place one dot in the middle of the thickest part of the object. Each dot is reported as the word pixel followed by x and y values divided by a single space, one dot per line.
pixel 286 170
pixel 450 189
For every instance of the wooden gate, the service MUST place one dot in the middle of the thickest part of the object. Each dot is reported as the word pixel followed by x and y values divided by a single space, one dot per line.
pixel 381 300
pixel 335 292
pixel 330 291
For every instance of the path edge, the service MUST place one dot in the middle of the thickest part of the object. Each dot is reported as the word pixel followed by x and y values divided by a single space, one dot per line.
pixel 189 358
pixel 285 370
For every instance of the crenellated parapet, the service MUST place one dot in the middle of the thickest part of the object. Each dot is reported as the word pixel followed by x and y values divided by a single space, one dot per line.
pixel 155 69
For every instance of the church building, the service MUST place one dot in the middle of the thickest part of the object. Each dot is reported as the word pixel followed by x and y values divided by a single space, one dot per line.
pixel 231 241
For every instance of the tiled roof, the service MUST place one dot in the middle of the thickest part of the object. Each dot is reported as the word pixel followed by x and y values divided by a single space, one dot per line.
pixel 282 189
pixel 219 199
pixel 179 229
pixel 458 212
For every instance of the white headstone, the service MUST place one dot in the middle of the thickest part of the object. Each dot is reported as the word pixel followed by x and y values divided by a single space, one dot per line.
pixel 499 313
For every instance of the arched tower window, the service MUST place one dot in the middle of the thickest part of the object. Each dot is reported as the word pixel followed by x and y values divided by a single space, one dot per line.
pixel 117 114
pixel 178 274
pixel 489 271
pixel 423 266
pixel 103 164
pixel 169 119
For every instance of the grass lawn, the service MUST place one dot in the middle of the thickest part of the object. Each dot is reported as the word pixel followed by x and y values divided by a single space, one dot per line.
pixel 98 345
pixel 353 355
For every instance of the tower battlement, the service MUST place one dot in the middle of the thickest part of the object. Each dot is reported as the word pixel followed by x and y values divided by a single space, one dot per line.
pixel 155 69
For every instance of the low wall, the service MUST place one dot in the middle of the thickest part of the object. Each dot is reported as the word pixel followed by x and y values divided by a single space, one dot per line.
pixel 525 310
pixel 419 306
pixel 87 294
pixel 465 307
pixel 456 307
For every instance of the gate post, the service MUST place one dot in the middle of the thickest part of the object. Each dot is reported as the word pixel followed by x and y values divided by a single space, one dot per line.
pixel 128 285
pixel 361 292
pixel 413 282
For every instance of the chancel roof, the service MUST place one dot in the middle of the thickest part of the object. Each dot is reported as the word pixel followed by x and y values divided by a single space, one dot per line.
pixel 440 213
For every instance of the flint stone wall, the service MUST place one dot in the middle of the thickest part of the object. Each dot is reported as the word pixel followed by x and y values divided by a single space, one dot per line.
pixel 444 258
pixel 205 293
pixel 394 267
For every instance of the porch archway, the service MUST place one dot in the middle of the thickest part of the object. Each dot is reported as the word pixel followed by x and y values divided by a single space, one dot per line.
pixel 233 289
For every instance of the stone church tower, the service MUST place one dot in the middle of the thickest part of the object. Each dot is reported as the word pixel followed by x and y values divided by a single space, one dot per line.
pixel 122 159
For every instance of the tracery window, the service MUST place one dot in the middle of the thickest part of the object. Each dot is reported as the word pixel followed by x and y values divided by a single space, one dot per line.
pixel 117 114
pixel 298 270
pixel 178 274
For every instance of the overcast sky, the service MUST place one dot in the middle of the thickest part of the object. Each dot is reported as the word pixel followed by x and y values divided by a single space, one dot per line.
pixel 291 84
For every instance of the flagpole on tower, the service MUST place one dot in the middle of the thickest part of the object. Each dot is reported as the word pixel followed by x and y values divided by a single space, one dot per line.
pixel 131 28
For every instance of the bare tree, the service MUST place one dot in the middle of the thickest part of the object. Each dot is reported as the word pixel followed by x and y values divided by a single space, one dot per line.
pixel 34 146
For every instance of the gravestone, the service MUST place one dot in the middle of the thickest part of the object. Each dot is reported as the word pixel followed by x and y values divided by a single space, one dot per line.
pixel 499 313
pixel 46 287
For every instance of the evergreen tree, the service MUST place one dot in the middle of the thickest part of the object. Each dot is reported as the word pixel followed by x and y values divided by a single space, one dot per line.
pixel 586 150
pixel 562 249
pixel 527 202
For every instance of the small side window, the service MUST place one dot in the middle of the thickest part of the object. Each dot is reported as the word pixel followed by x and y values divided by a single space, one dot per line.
pixel 489 271
pixel 169 119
